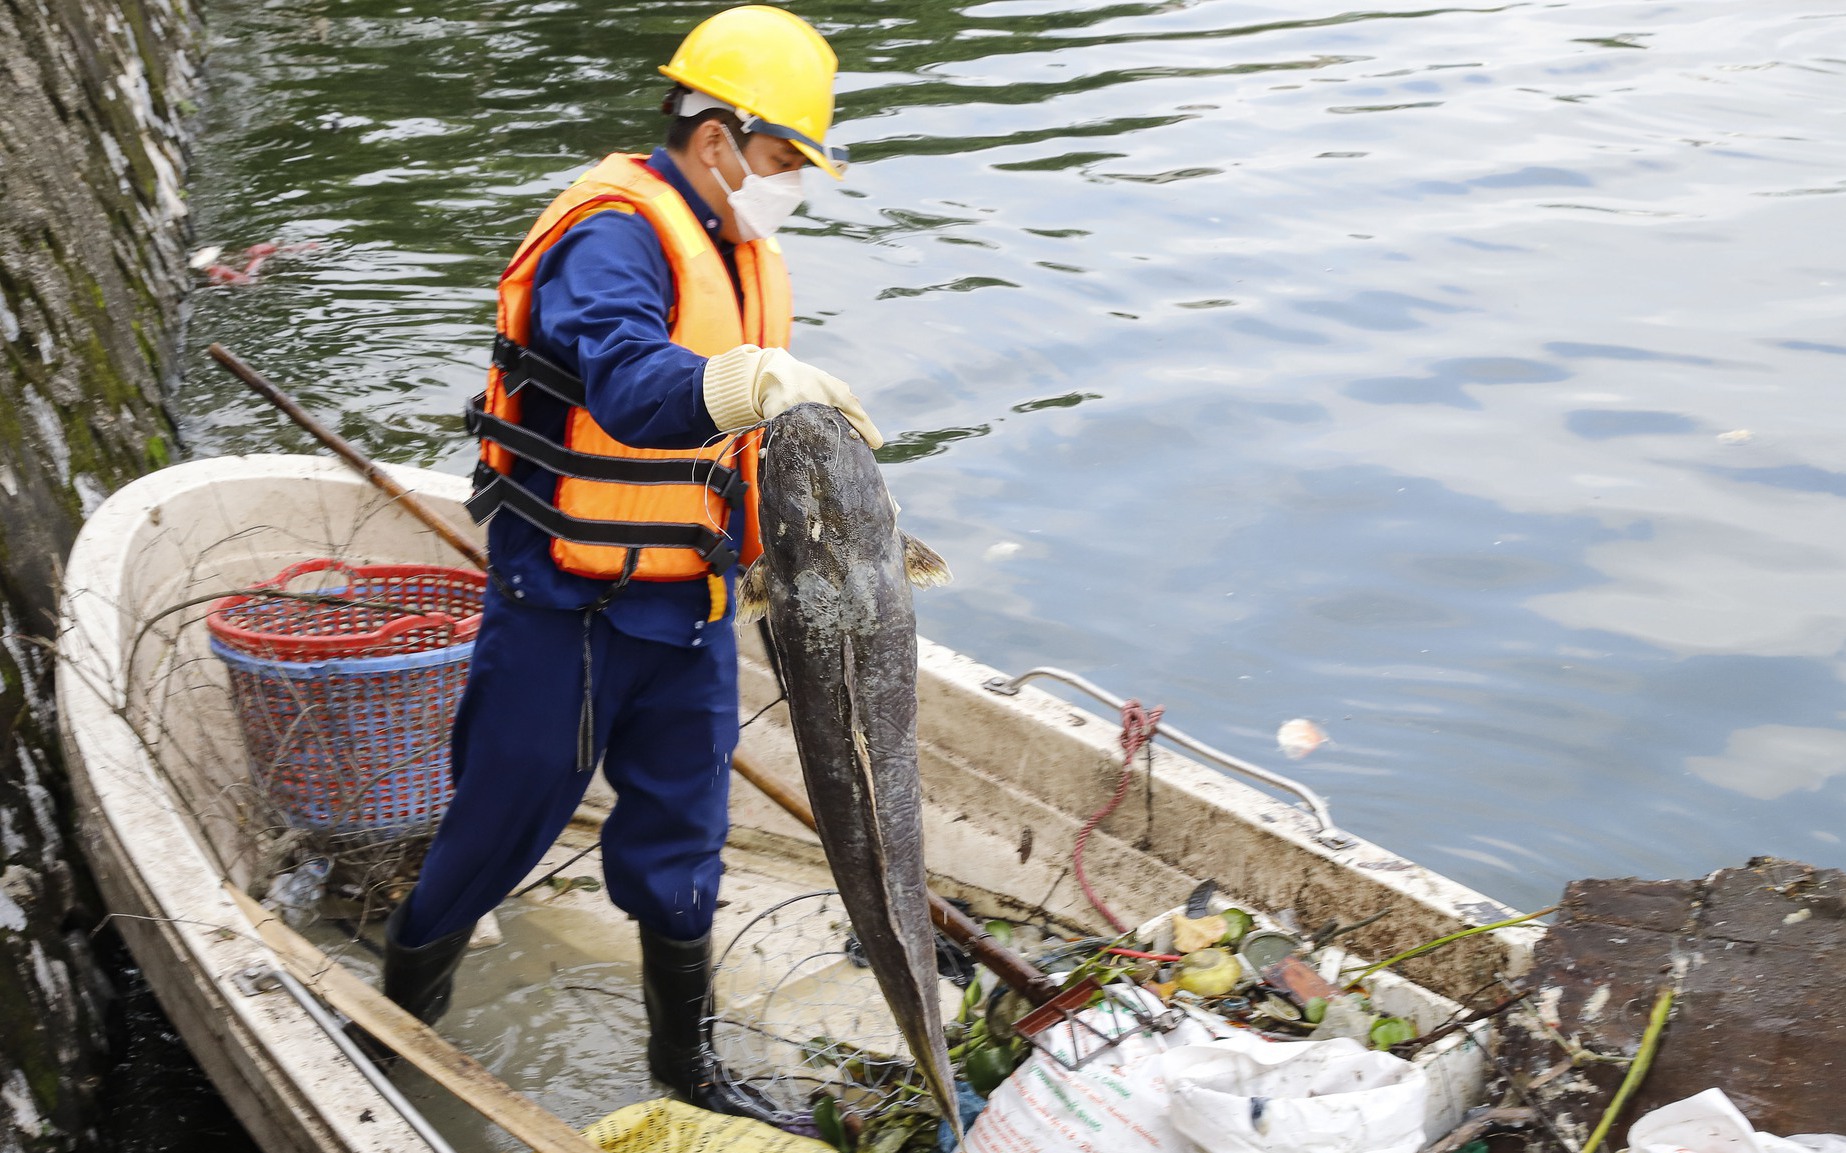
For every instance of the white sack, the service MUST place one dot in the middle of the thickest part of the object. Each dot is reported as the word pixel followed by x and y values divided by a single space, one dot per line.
pixel 1116 1102
pixel 1242 1094
pixel 1709 1123
pixel 1192 1090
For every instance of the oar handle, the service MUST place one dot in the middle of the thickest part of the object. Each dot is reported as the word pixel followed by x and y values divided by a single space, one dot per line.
pixel 1027 979
pixel 351 455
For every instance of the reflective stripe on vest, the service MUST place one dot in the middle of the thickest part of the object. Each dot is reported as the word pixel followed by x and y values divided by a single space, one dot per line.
pixel 674 505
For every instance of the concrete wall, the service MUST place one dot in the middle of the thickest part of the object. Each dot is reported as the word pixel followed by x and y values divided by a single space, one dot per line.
pixel 93 96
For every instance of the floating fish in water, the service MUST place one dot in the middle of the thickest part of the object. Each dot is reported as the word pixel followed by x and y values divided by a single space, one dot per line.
pixel 1299 737
pixel 834 582
pixel 254 257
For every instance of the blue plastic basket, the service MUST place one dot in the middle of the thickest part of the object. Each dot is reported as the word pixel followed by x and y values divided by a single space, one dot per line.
pixel 351 746
pixel 346 694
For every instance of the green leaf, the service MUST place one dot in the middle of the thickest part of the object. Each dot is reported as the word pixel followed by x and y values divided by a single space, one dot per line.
pixel 1237 923
pixel 986 1068
pixel 827 1120
pixel 1389 1031
pixel 889 1140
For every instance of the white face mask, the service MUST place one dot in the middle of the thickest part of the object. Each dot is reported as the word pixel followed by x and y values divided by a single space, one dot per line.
pixel 762 203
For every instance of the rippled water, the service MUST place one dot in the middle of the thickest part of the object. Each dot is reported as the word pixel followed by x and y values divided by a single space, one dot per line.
pixel 1461 378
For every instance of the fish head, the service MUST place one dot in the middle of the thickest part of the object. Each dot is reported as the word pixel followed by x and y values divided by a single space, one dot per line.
pixel 822 503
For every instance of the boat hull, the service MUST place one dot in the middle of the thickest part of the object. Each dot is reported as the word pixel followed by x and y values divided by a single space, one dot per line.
pixel 166 808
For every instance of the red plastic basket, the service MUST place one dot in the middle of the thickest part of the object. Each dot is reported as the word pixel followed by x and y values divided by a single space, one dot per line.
pixel 379 609
pixel 346 699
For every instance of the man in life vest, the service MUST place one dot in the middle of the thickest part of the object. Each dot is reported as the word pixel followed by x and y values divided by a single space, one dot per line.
pixel 640 329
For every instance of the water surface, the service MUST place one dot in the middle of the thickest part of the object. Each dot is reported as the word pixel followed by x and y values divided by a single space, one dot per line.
pixel 1457 377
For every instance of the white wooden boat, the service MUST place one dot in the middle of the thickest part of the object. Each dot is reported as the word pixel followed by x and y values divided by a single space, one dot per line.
pixel 160 775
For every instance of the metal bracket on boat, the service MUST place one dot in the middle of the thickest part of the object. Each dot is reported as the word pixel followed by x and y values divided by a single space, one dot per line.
pixel 1329 833
pixel 256 979
pixel 336 1032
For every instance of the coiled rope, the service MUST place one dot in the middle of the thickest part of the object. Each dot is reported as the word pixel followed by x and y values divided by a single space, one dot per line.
pixel 1138 728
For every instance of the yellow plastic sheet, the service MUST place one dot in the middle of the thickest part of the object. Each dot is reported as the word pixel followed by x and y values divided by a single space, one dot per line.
pixel 668 1126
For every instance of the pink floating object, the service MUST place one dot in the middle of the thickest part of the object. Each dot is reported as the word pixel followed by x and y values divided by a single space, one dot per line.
pixel 1299 737
pixel 253 258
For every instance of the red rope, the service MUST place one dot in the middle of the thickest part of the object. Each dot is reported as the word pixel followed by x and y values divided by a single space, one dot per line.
pixel 1138 725
pixel 1145 956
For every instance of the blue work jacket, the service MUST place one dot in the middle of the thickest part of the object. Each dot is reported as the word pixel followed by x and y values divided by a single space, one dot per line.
pixel 600 302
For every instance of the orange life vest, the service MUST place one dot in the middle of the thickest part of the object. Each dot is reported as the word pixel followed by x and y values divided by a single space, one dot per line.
pixel 649 514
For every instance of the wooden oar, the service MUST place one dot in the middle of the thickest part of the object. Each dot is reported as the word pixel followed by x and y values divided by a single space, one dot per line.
pixel 372 1011
pixel 348 453
pixel 1031 983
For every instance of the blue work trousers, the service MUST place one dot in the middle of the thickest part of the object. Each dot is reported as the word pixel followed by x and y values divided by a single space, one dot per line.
pixel 665 724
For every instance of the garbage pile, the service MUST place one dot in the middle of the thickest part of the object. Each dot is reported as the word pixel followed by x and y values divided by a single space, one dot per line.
pixel 1163 1038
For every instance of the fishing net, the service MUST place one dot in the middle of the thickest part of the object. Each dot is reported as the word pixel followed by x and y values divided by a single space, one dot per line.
pixel 801 1035
pixel 799 1018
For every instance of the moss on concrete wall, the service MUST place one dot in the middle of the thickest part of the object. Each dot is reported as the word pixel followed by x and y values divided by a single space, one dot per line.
pixel 92 272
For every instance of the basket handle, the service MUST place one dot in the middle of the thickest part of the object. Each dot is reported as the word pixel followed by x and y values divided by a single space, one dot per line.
pixel 403 625
pixel 302 568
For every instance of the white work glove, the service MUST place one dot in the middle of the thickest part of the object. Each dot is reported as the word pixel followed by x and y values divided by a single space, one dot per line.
pixel 748 384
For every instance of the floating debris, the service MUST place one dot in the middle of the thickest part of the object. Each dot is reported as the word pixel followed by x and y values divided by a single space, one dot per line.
pixel 205 260
pixel 1299 737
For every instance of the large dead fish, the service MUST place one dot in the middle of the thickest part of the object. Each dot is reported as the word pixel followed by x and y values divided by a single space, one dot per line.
pixel 834 580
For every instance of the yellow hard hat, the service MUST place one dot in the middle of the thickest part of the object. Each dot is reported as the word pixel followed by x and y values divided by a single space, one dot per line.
pixel 773 68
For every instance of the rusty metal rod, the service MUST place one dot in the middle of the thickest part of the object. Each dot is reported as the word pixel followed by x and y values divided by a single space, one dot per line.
pixel 1032 983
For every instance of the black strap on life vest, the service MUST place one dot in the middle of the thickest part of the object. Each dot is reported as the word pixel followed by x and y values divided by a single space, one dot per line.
pixel 494 492
pixel 520 366
pixel 726 483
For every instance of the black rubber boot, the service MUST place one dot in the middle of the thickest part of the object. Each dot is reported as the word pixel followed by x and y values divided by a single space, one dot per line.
pixel 421 980
pixel 676 988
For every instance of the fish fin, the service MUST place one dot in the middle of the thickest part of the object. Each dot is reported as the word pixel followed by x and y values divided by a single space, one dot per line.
pixel 923 564
pixel 753 593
